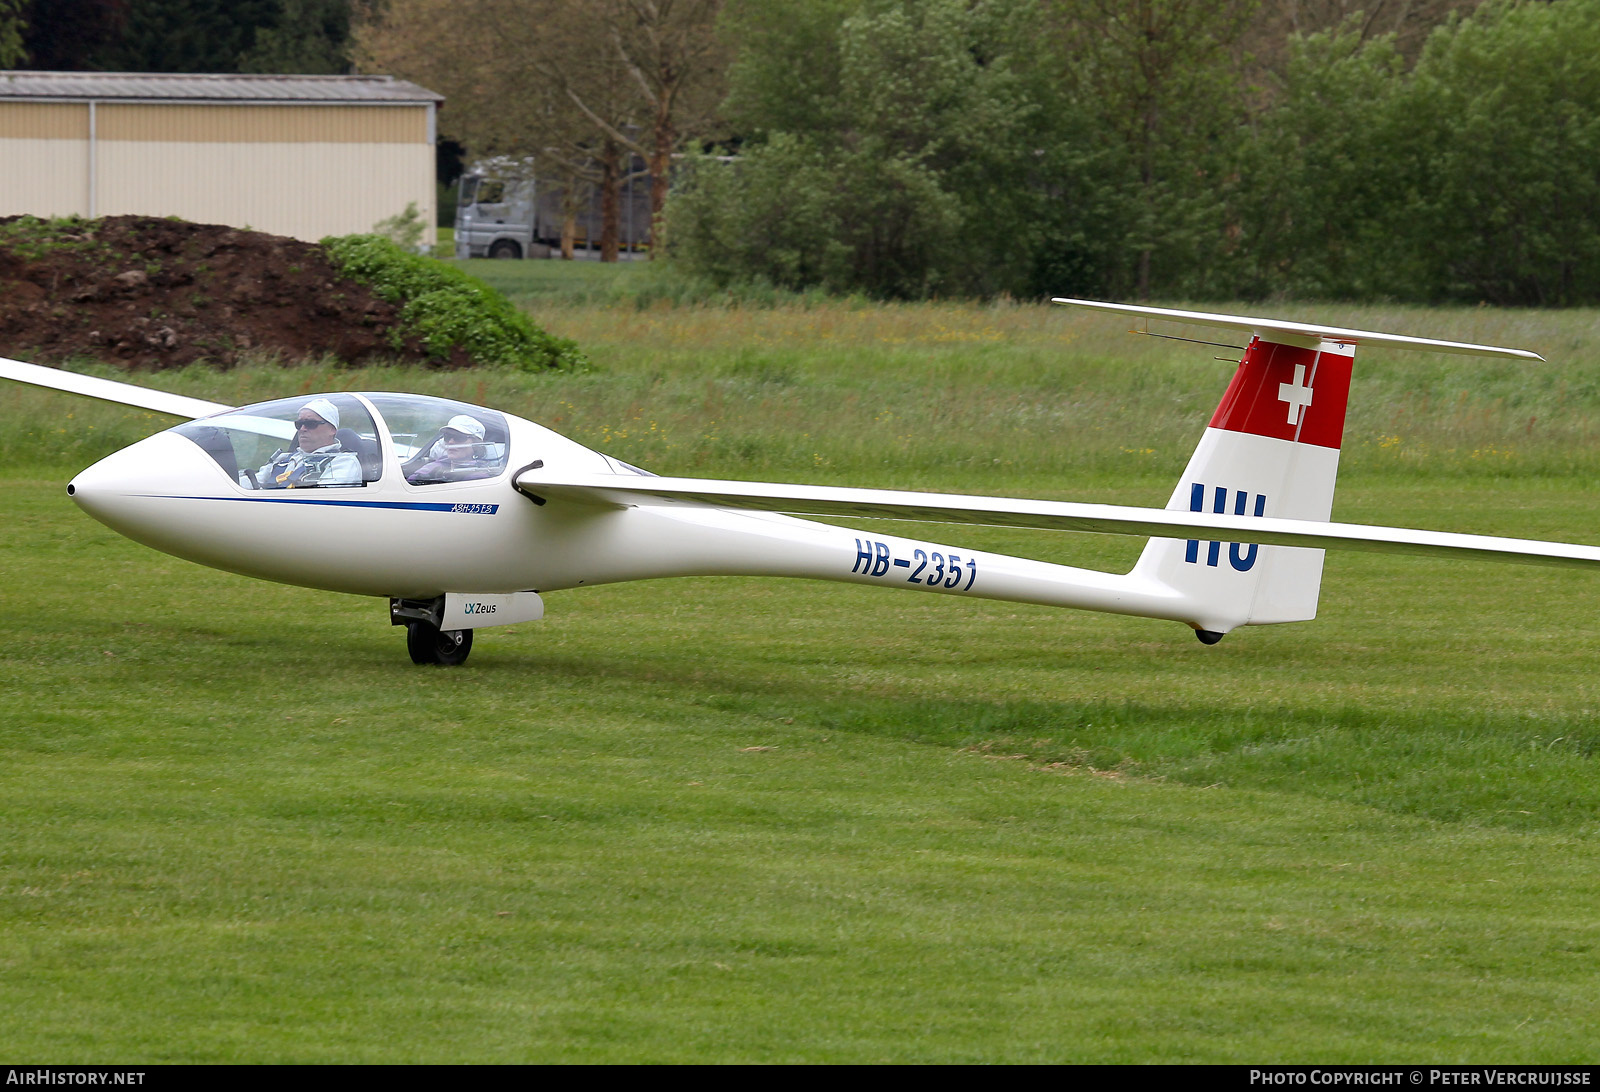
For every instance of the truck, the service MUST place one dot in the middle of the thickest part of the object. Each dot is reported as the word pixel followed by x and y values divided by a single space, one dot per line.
pixel 504 210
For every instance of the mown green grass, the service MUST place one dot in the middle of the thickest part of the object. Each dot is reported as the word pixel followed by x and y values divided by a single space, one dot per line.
pixel 775 820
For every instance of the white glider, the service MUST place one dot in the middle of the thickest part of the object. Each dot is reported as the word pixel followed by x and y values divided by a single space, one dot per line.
pixel 464 517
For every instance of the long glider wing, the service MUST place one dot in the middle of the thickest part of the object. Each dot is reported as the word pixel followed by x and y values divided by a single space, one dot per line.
pixel 109 389
pixel 1307 333
pixel 627 490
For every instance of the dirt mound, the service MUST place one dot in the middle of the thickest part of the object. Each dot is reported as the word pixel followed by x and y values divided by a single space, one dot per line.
pixel 141 292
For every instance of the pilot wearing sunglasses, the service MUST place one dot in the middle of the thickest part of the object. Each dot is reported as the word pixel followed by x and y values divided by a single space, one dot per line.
pixel 317 458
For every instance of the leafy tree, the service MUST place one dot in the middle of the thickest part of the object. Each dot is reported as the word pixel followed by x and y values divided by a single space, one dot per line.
pixel 309 36
pixel 774 214
pixel 188 35
pixel 577 86
pixel 1323 178
pixel 1503 119
pixel 12 24
pixel 1268 45
pixel 958 93
pixel 1469 178
pixel 670 63
pixel 784 75
pixel 184 35
pixel 71 35
pixel 905 171
pixel 1158 82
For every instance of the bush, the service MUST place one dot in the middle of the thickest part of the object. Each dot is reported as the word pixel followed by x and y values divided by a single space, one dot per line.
pixel 445 308
pixel 404 229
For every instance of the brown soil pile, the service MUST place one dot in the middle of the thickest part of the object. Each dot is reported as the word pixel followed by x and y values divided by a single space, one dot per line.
pixel 141 292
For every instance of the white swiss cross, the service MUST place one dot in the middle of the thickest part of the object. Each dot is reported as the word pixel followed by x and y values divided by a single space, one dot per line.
pixel 1297 394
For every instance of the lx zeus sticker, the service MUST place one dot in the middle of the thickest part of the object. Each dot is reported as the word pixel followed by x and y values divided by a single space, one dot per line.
pixel 927 567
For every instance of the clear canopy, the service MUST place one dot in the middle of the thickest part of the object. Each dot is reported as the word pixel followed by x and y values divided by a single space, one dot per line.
pixel 333 440
pixel 439 440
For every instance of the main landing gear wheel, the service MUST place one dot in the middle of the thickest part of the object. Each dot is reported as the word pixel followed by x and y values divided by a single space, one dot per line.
pixel 428 644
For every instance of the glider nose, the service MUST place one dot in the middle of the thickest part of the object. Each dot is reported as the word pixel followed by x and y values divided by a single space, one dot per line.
pixel 132 491
pixel 97 486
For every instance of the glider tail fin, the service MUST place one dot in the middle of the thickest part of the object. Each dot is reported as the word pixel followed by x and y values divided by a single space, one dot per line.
pixel 1271 449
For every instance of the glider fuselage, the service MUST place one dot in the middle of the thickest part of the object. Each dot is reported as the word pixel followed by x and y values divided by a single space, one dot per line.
pixel 389 537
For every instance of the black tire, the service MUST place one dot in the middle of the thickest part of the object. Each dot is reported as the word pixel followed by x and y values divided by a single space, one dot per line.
pixel 505 248
pixel 428 644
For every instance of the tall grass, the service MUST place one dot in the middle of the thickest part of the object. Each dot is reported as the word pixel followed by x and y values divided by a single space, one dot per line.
pixel 1014 395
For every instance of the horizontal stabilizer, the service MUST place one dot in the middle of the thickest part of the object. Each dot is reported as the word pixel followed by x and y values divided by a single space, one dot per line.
pixel 1306 334
pixel 109 389
pixel 627 490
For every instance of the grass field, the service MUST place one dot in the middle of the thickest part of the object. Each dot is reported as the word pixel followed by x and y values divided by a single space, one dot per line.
pixel 780 821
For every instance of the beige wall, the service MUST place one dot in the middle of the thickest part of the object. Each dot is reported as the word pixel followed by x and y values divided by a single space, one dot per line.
pixel 304 171
pixel 44 120
pixel 44 177
pixel 304 190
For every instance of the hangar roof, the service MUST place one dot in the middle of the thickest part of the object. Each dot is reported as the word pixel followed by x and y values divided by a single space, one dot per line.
pixel 204 87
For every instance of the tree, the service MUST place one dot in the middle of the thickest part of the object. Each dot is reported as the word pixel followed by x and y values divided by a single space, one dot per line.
pixel 1269 43
pixel 184 35
pixel 188 35
pixel 905 175
pixel 579 84
pixel 71 35
pixel 670 56
pixel 309 36
pixel 584 106
pixel 1325 174
pixel 12 24
pixel 1502 120
pixel 499 102
pixel 1158 80
pixel 1468 178
pixel 784 75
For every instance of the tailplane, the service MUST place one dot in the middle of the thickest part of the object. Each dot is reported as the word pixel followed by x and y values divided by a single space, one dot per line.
pixel 1271 449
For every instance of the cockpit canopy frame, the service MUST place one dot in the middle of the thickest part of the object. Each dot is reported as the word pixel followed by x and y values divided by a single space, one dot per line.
pixel 347 440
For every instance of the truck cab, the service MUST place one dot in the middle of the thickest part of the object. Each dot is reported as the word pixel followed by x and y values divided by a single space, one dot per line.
pixel 498 217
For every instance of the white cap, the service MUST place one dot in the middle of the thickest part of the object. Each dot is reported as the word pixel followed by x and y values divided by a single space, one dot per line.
pixel 324 409
pixel 467 426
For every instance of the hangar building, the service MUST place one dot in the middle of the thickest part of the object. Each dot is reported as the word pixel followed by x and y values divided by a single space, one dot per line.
pixel 304 156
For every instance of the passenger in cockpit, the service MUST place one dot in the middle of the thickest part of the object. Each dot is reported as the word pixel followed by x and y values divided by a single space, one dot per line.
pixel 457 455
pixel 317 457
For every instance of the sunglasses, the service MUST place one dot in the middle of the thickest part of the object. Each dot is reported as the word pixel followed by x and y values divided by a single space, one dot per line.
pixel 305 423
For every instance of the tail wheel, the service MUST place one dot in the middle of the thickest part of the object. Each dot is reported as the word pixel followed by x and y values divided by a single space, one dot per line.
pixel 428 644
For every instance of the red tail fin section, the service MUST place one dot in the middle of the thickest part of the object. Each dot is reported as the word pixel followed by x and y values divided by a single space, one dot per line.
pixel 1288 393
